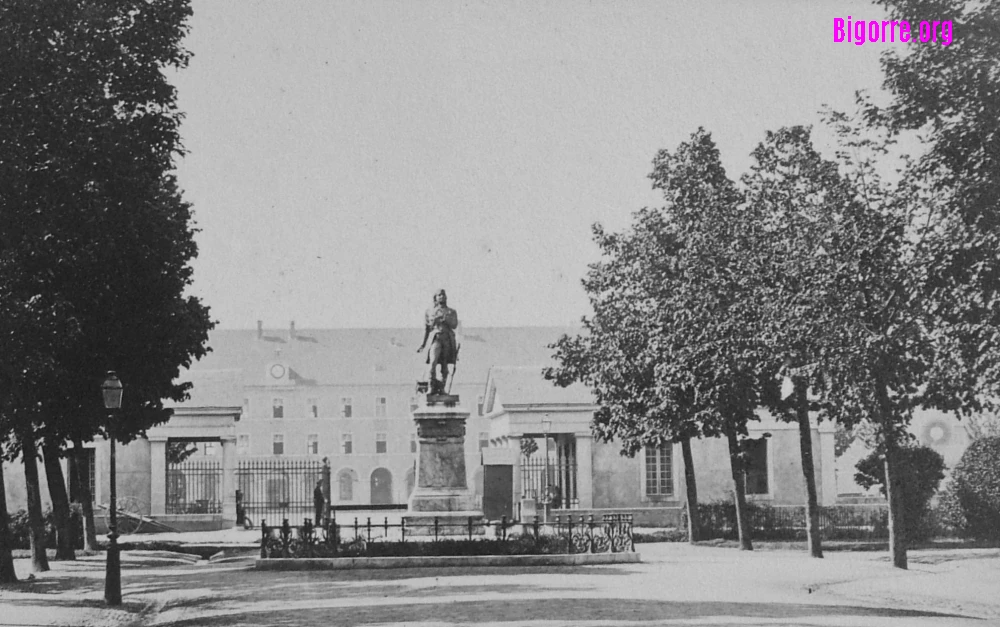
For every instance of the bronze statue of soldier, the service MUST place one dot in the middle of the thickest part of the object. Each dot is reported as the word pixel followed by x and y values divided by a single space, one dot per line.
pixel 440 322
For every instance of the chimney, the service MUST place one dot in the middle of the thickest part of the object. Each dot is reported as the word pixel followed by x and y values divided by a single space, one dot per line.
pixel 291 330
pixel 260 329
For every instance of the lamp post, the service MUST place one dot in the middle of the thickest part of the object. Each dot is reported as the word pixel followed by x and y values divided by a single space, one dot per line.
pixel 546 497
pixel 112 389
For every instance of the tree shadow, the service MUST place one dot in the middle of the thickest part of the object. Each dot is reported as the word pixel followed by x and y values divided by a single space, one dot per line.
pixel 566 610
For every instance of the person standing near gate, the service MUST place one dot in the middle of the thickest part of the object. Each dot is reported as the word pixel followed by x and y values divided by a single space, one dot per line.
pixel 319 503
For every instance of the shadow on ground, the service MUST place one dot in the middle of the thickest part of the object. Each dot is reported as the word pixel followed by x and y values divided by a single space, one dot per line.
pixel 563 610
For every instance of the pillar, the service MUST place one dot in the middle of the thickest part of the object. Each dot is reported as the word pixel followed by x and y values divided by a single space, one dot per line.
pixel 157 477
pixel 585 470
pixel 229 481
pixel 514 442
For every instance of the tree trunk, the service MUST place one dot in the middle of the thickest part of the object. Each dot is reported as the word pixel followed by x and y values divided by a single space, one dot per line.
pixel 742 516
pixel 86 498
pixel 7 573
pixel 694 520
pixel 60 502
pixel 808 468
pixel 897 538
pixel 36 523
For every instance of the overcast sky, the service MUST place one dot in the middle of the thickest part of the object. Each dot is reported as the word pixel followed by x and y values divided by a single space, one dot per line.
pixel 347 159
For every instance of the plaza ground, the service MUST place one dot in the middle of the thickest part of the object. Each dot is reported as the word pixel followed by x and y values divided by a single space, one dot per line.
pixel 676 584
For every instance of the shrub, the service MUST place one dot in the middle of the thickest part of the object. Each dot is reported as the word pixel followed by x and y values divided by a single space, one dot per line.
pixel 920 471
pixel 971 503
pixel 661 535
pixel 19 528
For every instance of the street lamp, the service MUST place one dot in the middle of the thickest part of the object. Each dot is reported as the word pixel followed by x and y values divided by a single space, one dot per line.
pixel 112 389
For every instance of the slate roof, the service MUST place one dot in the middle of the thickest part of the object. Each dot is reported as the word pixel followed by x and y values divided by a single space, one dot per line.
pixel 358 356
pixel 525 385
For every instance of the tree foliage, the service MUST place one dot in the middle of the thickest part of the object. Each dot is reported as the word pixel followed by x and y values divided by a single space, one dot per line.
pixel 923 469
pixel 972 498
pixel 94 226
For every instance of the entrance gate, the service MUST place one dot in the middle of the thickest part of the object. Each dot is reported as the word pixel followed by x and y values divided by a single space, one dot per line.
pixel 275 489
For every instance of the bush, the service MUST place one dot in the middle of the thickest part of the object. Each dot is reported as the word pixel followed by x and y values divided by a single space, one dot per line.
pixel 19 529
pixel 920 471
pixel 518 544
pixel 788 523
pixel 971 503
pixel 661 535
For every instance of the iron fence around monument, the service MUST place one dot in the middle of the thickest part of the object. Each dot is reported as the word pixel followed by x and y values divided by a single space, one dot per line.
pixel 611 533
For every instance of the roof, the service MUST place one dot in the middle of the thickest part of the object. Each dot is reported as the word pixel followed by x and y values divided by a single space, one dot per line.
pixel 213 388
pixel 525 385
pixel 241 357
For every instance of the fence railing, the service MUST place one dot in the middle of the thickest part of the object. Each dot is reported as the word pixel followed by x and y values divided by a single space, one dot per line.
pixel 194 487
pixel 279 488
pixel 565 534
pixel 553 481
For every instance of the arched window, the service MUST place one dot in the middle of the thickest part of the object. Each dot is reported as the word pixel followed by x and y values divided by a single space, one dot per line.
pixel 381 487
pixel 345 482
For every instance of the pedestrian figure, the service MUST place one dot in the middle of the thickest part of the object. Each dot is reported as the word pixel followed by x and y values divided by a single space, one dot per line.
pixel 319 502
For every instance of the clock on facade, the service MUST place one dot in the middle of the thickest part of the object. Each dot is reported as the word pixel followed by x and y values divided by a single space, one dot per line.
pixel 277 371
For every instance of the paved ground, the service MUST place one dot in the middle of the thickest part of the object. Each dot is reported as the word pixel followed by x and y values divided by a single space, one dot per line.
pixel 676 585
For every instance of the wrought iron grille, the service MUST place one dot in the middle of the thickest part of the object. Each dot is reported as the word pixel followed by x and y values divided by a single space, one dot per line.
pixel 612 533
pixel 194 487
pixel 559 489
pixel 278 488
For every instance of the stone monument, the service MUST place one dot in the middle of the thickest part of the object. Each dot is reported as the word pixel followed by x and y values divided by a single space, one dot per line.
pixel 442 489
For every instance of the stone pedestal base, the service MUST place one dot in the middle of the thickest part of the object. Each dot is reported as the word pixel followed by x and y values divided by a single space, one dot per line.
pixel 442 490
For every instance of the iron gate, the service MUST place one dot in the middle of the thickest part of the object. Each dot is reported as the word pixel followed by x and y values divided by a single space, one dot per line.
pixel 275 489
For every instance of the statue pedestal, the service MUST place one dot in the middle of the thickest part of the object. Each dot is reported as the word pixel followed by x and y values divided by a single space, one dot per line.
pixel 442 492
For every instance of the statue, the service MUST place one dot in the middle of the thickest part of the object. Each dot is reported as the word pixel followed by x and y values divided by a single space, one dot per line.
pixel 440 322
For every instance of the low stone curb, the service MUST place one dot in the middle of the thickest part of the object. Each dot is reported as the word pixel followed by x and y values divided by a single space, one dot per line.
pixel 449 561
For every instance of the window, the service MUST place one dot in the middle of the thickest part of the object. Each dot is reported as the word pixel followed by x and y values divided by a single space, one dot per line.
pixel 479 405
pixel 414 404
pixel 413 442
pixel 484 439
pixel 380 406
pixel 312 444
pixel 312 408
pixel 345 407
pixel 348 443
pixel 242 444
pixel 246 407
pixel 380 444
pixel 278 444
pixel 345 481
pixel 210 449
pixel 278 408
pixel 659 466
pixel 755 466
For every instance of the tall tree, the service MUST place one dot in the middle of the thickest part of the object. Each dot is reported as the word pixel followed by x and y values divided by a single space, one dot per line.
pixel 616 356
pixel 671 349
pixel 714 325
pixel 950 200
pixel 798 199
pixel 92 214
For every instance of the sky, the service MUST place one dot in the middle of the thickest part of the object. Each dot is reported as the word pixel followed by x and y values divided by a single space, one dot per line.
pixel 346 159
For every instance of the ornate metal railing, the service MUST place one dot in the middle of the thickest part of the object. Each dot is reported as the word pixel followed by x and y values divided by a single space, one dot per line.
pixel 564 534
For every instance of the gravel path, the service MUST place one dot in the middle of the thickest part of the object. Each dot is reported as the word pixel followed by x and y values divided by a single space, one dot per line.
pixel 675 585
